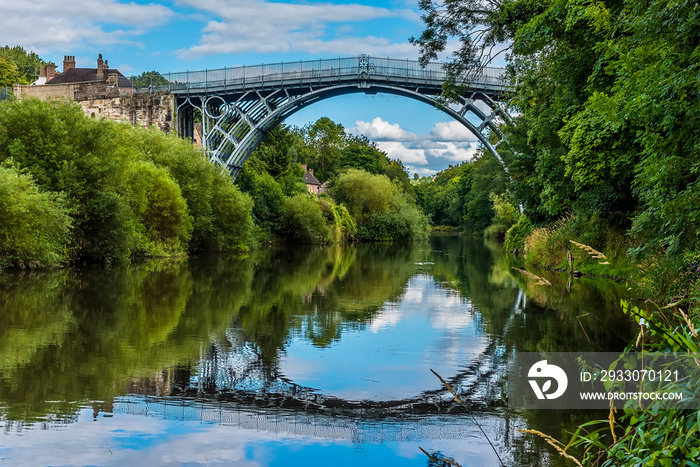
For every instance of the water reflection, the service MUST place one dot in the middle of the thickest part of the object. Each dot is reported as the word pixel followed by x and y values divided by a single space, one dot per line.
pixel 339 337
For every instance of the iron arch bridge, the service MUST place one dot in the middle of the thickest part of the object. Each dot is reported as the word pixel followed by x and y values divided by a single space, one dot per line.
pixel 239 106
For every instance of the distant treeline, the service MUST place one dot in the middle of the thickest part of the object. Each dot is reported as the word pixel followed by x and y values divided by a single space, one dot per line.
pixel 371 197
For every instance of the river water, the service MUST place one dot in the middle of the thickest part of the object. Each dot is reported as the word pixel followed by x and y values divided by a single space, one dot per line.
pixel 286 357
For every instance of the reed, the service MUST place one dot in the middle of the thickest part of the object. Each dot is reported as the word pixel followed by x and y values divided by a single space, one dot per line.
pixel 592 252
pixel 559 446
pixel 540 280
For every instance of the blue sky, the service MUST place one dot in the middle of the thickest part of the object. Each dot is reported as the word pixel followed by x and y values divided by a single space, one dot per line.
pixel 180 35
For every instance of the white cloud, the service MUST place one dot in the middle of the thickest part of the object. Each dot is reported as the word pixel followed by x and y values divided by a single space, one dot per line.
pixel 454 152
pixel 380 130
pixel 448 141
pixel 267 27
pixel 45 25
pixel 451 131
pixel 396 150
pixel 421 171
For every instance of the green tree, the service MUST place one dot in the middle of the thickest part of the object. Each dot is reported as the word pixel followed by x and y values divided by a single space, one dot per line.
pixel 148 79
pixel 34 225
pixel 325 139
pixel 363 193
pixel 9 74
pixel 27 64
pixel 219 211
pixel 398 174
pixel 484 30
pixel 360 153
pixel 64 152
pixel 164 225
pixel 277 153
pixel 131 191
pixel 505 215
pixel 380 209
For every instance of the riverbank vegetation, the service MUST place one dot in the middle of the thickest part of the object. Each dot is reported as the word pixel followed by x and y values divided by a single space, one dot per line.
pixel 604 150
pixel 79 189
pixel 120 191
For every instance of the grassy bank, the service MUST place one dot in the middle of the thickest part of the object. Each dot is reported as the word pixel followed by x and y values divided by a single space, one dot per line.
pixel 668 321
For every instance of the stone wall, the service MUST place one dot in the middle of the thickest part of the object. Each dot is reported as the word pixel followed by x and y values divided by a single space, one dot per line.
pixel 101 101
pixel 147 109
pixel 62 92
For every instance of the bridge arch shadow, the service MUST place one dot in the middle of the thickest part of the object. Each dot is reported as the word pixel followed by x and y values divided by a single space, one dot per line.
pixel 239 106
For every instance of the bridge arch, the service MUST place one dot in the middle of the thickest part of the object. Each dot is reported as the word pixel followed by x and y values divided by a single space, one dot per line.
pixel 238 111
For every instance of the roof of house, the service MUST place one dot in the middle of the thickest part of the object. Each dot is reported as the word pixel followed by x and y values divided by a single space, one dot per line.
pixel 82 75
pixel 310 179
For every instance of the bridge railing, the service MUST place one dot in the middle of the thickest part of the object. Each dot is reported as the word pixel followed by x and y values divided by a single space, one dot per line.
pixel 318 70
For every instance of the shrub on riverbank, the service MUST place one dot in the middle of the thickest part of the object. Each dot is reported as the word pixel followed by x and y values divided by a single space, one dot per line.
pixel 506 214
pixel 220 213
pixel 380 209
pixel 304 221
pixel 315 220
pixel 34 225
pixel 514 242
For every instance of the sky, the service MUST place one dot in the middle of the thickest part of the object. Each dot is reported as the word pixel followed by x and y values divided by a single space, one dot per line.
pixel 180 35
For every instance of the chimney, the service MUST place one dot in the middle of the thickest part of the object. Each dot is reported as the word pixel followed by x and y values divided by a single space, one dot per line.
pixel 42 72
pixel 50 71
pixel 100 66
pixel 106 65
pixel 68 62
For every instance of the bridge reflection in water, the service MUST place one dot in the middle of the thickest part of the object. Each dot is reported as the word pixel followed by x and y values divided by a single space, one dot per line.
pixel 230 386
pixel 280 421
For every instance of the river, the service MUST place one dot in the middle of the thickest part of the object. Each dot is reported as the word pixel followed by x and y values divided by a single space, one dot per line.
pixel 289 357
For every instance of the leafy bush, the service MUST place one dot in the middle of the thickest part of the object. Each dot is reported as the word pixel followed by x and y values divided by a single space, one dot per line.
pixel 232 224
pixel 268 203
pixel 379 207
pixel 66 152
pixel 364 194
pixel 34 226
pixel 304 221
pixel 163 225
pixel 506 216
pixel 220 212
pixel 515 237
pixel 404 222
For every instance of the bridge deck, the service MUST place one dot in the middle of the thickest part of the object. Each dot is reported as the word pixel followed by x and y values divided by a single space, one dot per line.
pixel 323 72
